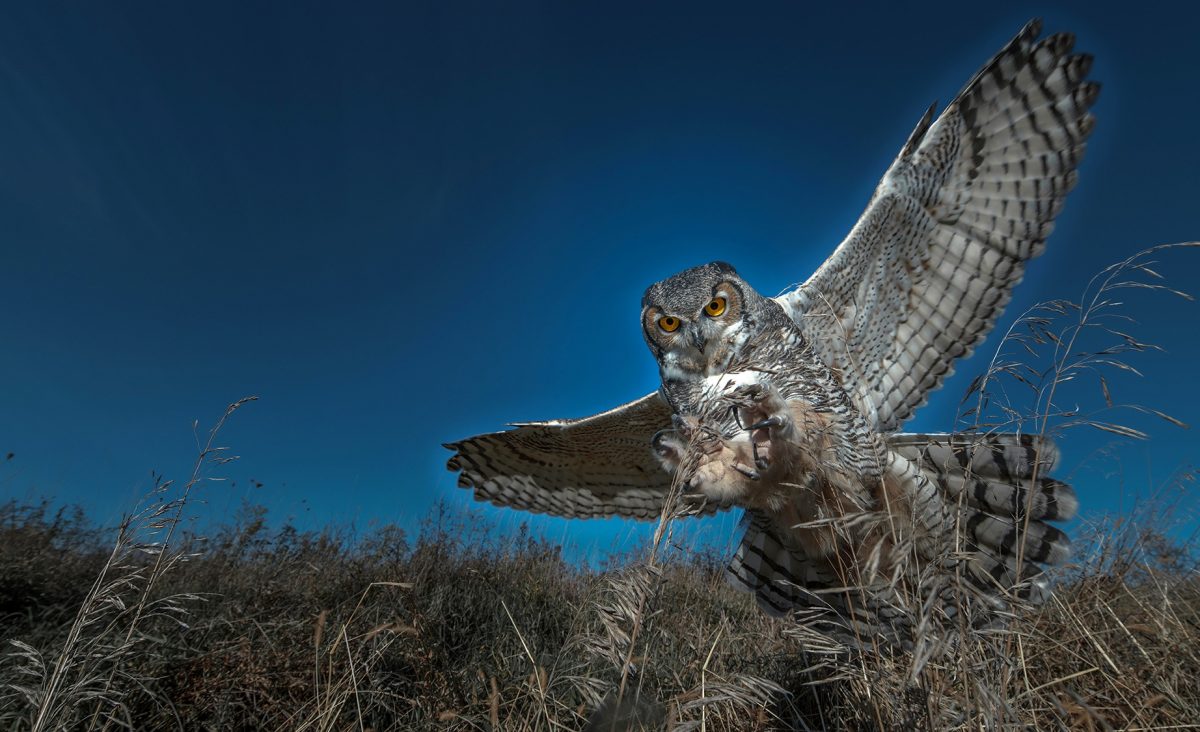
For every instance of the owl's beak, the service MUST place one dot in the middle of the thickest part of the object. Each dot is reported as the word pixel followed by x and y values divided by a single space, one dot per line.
pixel 698 339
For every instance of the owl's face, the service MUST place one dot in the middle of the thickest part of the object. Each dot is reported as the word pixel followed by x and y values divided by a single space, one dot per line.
pixel 695 320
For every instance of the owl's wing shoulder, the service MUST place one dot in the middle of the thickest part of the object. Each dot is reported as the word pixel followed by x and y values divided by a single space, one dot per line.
pixel 930 265
pixel 596 466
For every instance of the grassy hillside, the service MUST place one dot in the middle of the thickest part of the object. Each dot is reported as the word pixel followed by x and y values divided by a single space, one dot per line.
pixel 146 627
pixel 262 629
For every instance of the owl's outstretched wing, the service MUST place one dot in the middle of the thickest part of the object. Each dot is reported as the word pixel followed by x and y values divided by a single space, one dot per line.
pixel 597 466
pixel 972 196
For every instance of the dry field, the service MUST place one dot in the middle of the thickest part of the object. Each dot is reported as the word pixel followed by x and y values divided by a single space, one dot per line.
pixel 147 626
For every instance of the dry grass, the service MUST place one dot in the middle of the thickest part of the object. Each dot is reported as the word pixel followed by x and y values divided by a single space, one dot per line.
pixel 297 630
pixel 260 628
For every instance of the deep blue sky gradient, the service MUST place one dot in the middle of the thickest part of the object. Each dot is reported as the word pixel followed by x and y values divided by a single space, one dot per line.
pixel 413 222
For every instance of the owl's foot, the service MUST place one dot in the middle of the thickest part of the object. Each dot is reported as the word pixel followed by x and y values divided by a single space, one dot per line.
pixel 719 470
pixel 747 471
pixel 762 411
pixel 669 447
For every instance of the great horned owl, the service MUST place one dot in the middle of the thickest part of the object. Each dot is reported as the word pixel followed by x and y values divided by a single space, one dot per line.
pixel 754 408
pixel 760 421
pixel 791 406
pixel 743 385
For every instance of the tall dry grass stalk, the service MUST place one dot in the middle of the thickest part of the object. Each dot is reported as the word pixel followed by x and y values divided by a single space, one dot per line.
pixel 85 683
pixel 629 605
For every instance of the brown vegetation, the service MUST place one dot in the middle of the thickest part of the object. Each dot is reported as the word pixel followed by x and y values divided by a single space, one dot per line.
pixel 293 630
pixel 261 628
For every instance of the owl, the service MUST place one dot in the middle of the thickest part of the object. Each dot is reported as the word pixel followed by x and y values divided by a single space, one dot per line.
pixel 792 407
pixel 742 384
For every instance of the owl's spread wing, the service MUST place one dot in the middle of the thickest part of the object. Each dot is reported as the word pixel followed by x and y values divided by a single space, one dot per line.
pixel 972 196
pixel 597 466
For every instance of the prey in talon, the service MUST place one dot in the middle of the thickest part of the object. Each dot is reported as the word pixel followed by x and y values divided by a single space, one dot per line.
pixel 762 412
pixel 754 410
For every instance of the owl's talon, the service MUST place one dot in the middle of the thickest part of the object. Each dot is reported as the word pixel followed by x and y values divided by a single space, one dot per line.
pixel 760 462
pixel 760 410
pixel 669 448
pixel 750 473
pixel 660 442
pixel 773 421
pixel 736 411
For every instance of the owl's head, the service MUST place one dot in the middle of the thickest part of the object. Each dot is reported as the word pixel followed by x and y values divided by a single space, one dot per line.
pixel 695 321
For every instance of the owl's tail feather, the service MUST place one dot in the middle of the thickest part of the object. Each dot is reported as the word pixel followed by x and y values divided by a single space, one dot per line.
pixel 1004 474
pixel 979 503
pixel 997 494
pixel 829 615
pixel 782 578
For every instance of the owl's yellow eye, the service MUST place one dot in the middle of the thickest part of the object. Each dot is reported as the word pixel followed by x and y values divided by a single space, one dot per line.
pixel 715 307
pixel 668 323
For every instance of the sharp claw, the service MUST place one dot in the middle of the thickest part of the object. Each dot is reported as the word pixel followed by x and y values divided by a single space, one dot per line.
pixel 737 416
pixel 748 472
pixel 760 462
pixel 772 421
pixel 659 439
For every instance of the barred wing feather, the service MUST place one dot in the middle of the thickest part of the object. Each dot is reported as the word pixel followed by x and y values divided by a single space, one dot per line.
pixel 597 466
pixel 931 263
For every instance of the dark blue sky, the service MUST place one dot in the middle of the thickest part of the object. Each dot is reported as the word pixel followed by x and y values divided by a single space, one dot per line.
pixel 415 222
